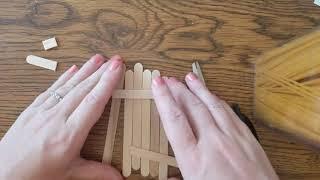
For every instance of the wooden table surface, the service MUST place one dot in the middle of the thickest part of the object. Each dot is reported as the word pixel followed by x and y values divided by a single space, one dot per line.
pixel 225 36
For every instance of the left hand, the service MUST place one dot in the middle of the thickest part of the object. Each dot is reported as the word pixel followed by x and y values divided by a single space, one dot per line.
pixel 46 139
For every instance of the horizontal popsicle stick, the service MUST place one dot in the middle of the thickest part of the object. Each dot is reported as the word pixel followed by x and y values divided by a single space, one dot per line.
pixel 162 158
pixel 42 62
pixel 132 94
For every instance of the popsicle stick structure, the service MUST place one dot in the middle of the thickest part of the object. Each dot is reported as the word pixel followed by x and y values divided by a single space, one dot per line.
pixel 145 145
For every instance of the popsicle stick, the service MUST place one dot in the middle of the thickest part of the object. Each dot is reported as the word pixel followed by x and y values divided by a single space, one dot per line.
pixel 136 140
pixel 145 126
pixel 133 94
pixel 112 126
pixel 155 132
pixel 127 130
pixel 42 62
pixel 162 158
pixel 197 70
pixel 163 168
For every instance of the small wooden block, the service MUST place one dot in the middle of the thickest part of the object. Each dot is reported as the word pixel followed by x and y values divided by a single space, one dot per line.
pixel 50 43
pixel 42 62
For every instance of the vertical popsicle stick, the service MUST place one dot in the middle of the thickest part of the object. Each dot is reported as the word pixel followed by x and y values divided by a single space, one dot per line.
pixel 127 134
pixel 145 126
pixel 155 132
pixel 112 126
pixel 136 140
pixel 163 168
pixel 197 70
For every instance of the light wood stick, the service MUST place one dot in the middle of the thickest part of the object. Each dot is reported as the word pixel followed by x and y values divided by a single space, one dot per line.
pixel 136 140
pixel 133 94
pixel 127 129
pixel 155 132
pixel 112 126
pixel 162 158
pixel 197 70
pixel 42 62
pixel 145 126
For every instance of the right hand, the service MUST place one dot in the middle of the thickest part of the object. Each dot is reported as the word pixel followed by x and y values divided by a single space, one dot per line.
pixel 207 137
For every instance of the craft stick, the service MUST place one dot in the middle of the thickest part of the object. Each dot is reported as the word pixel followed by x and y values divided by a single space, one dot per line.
pixel 136 140
pixel 133 94
pixel 197 70
pixel 49 43
pixel 162 158
pixel 163 168
pixel 127 130
pixel 42 62
pixel 145 126
pixel 112 126
pixel 155 132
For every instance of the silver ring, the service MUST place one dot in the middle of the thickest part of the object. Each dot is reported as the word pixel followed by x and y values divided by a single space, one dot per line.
pixel 56 95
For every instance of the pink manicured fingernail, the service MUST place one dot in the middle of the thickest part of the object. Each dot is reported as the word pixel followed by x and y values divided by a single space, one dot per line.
pixel 73 68
pixel 158 81
pixel 114 64
pixel 191 76
pixel 97 59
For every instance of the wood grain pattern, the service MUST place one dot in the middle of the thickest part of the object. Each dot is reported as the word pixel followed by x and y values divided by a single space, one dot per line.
pixel 224 36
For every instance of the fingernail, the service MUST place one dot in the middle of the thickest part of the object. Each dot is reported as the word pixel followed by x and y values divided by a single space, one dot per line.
pixel 73 68
pixel 158 81
pixel 97 59
pixel 191 76
pixel 115 63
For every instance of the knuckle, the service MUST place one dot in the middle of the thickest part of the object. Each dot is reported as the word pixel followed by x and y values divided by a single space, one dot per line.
pixel 92 98
pixel 177 114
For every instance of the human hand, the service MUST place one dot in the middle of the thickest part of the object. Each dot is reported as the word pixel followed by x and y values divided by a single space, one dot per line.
pixel 46 139
pixel 207 137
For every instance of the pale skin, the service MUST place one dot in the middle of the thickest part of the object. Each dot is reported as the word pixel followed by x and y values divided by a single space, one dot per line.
pixel 208 139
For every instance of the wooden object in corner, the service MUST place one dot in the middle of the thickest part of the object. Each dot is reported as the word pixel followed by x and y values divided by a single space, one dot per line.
pixel 287 95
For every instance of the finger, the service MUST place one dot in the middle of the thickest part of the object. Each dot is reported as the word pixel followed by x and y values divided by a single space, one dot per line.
pixel 175 123
pixel 88 68
pixel 93 104
pixel 213 103
pixel 88 170
pixel 241 125
pixel 72 100
pixel 61 81
pixel 197 113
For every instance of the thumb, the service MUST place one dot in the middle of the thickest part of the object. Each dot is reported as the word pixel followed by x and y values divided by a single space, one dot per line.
pixel 92 170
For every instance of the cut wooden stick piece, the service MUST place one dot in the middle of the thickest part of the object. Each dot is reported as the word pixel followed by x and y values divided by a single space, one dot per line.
pixel 127 130
pixel 50 43
pixel 155 132
pixel 42 62
pixel 162 158
pixel 136 140
pixel 133 94
pixel 145 126
pixel 197 70
pixel 112 126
